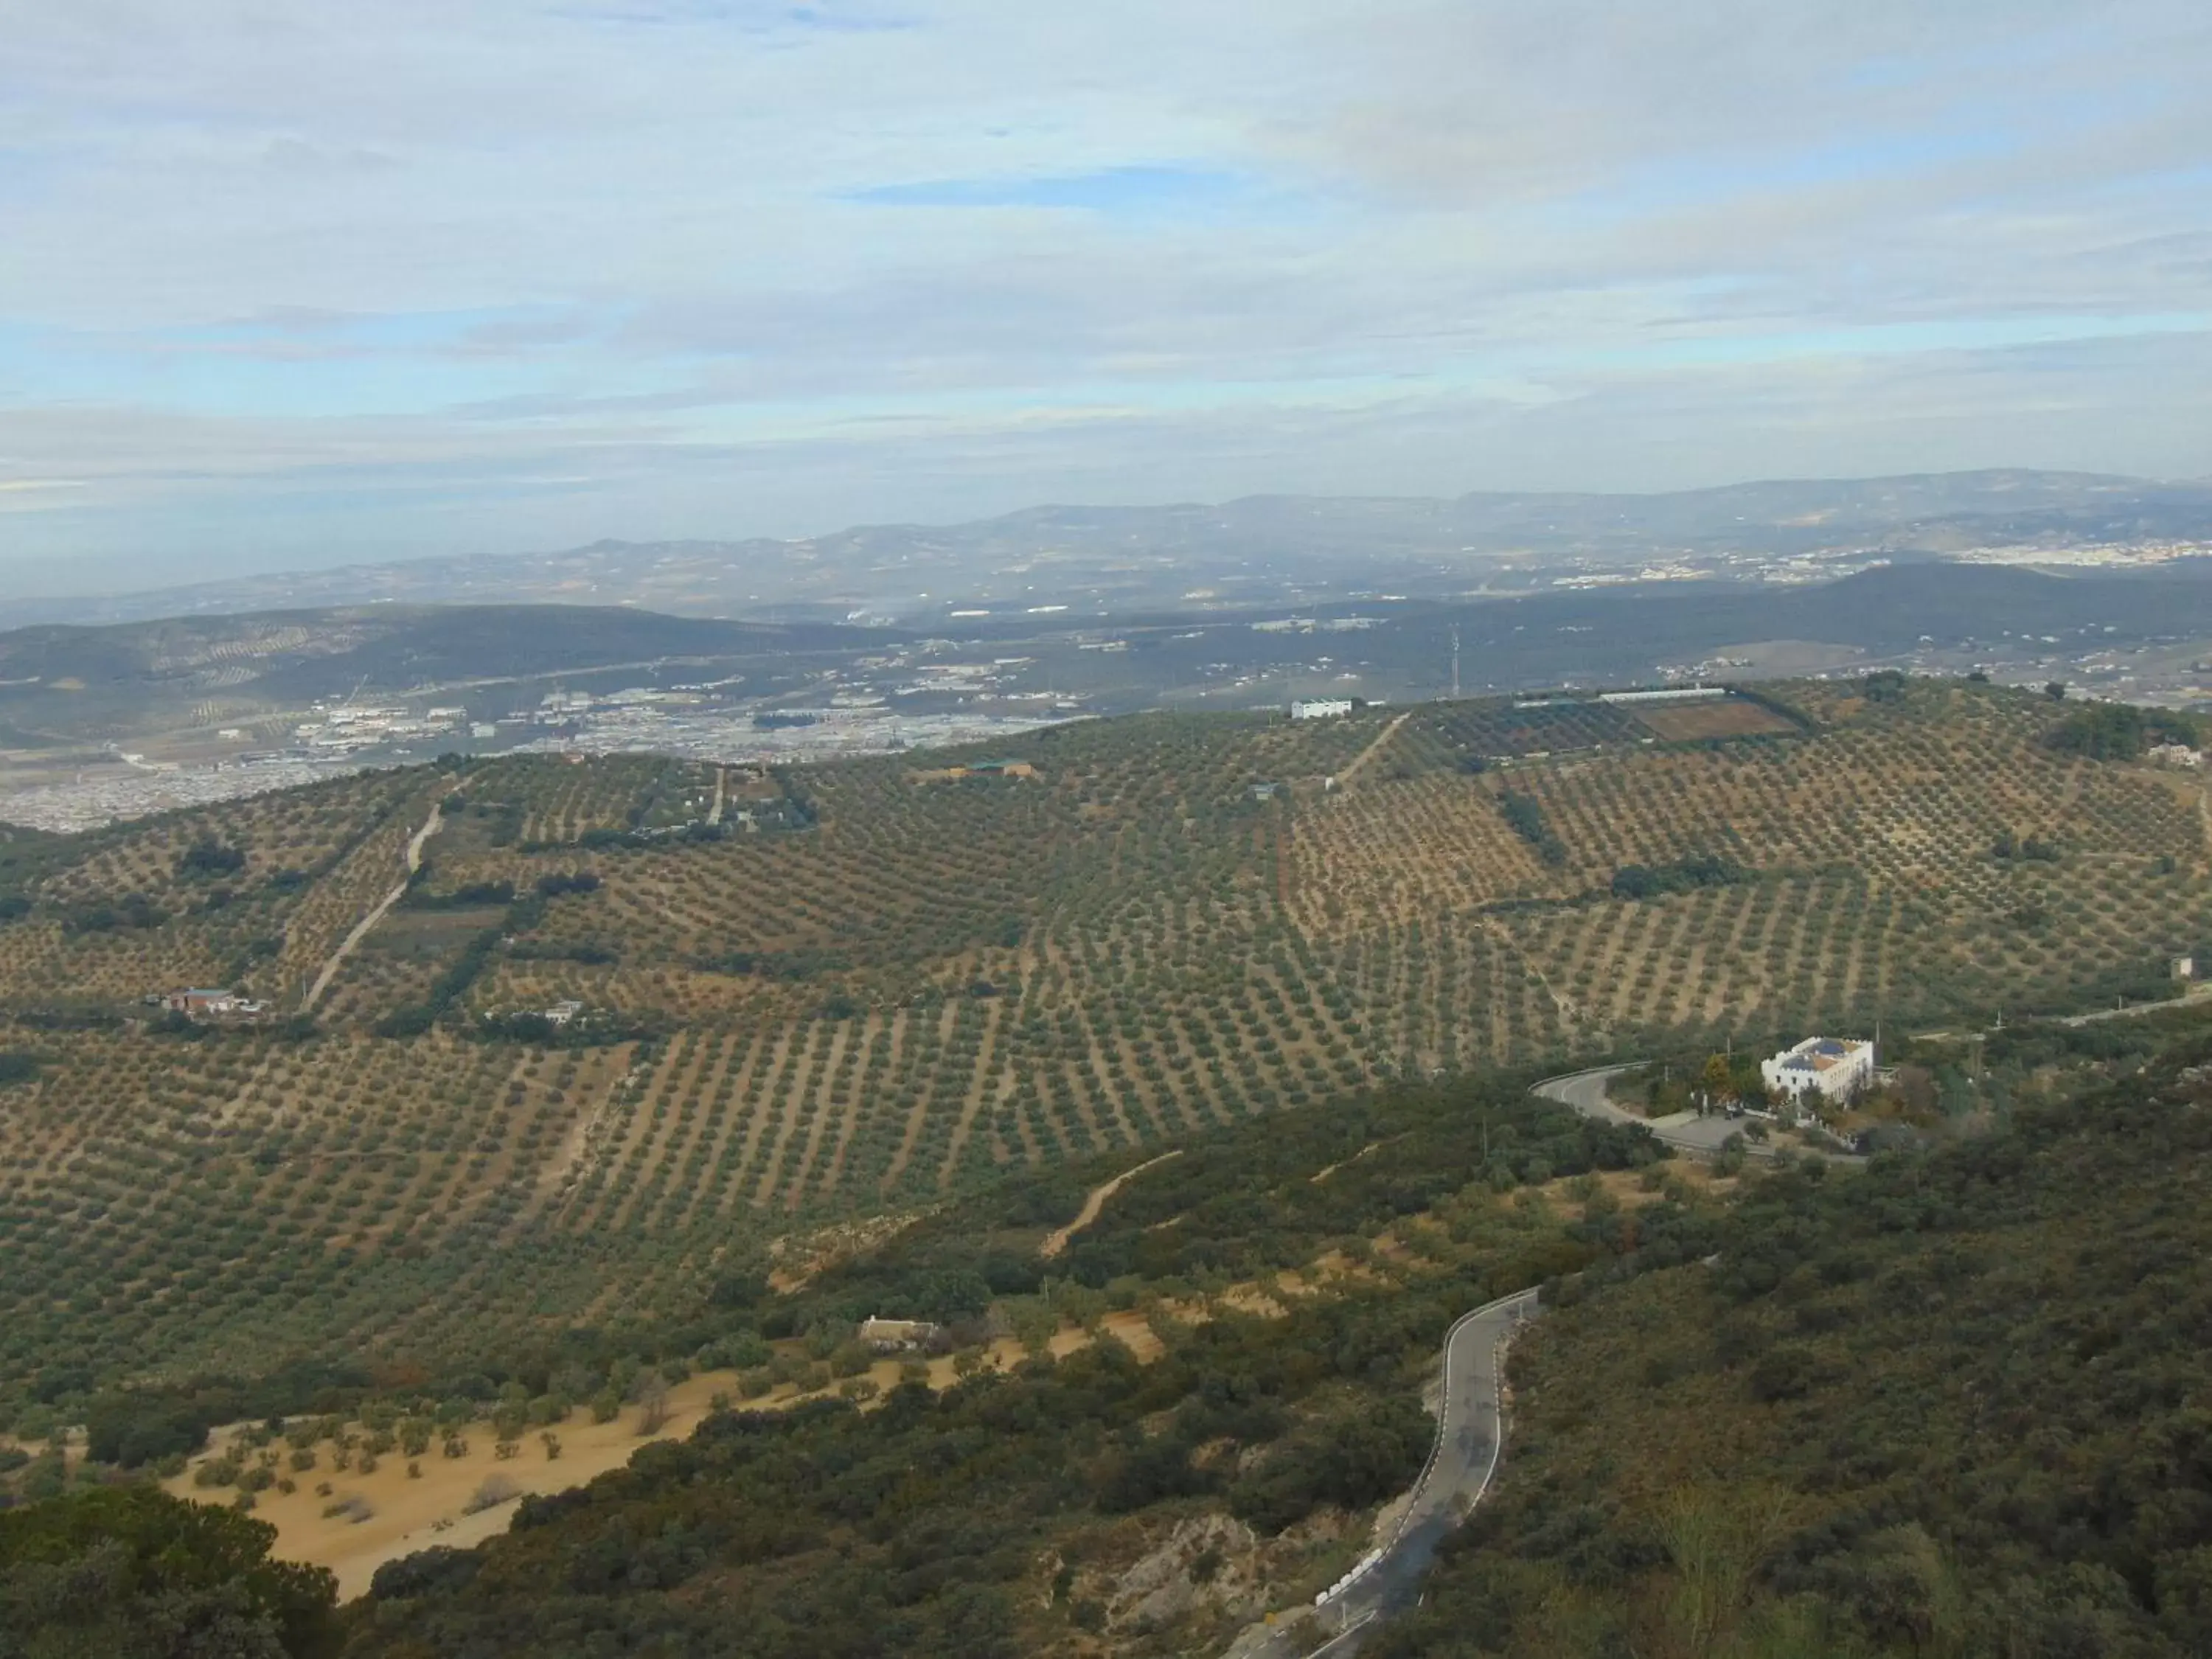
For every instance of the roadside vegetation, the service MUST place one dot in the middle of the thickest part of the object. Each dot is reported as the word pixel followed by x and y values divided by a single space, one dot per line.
pixel 1952 1406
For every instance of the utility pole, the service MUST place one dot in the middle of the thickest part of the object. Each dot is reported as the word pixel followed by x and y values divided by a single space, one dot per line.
pixel 1454 638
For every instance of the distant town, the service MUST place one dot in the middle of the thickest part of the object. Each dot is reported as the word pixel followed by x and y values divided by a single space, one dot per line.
pixel 279 706
pixel 694 722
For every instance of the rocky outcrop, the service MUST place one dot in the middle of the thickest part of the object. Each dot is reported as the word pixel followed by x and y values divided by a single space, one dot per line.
pixel 1209 1560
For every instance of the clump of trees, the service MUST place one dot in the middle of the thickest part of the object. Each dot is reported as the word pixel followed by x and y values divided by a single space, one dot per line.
pixel 210 857
pixel 129 1571
pixel 559 883
pixel 1882 1480
pixel 779 964
pixel 132 910
pixel 1639 881
pixel 2035 849
pixel 1351 1458
pixel 2121 730
pixel 1524 813
pixel 471 896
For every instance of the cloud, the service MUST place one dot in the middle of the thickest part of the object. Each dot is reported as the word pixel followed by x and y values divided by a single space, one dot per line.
pixel 749 16
pixel 1123 189
pixel 720 267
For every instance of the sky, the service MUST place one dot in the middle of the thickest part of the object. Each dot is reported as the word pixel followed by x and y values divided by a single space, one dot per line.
pixel 286 283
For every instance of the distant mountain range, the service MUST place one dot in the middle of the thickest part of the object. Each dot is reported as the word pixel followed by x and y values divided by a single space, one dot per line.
pixel 1992 611
pixel 1935 613
pixel 1259 550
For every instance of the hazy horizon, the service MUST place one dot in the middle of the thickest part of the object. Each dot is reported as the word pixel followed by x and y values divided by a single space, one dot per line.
pixel 118 579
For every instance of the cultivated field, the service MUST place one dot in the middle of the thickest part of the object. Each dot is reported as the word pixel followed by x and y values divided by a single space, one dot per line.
pixel 857 991
pixel 1694 722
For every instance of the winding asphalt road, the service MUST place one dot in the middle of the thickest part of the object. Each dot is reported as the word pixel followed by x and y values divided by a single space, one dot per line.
pixel 1470 1431
pixel 1470 1423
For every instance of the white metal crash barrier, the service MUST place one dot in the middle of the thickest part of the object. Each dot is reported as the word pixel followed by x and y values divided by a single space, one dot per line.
pixel 1366 1564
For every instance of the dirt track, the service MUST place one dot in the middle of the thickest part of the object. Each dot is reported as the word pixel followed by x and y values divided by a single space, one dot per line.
pixel 1094 1203
pixel 1382 741
pixel 362 928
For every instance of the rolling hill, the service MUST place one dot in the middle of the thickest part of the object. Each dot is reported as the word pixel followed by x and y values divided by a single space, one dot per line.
pixel 1173 1071
pixel 782 998
pixel 179 681
pixel 1262 549
pixel 75 681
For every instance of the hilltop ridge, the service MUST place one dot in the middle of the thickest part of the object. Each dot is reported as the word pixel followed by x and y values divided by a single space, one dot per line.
pixel 1258 549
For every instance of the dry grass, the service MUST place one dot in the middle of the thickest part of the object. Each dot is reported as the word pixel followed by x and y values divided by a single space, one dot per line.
pixel 368 1520
pixel 393 1513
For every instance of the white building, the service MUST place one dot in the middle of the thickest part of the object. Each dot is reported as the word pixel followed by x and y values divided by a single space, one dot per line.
pixel 1321 708
pixel 896 1335
pixel 1835 1067
pixel 1671 694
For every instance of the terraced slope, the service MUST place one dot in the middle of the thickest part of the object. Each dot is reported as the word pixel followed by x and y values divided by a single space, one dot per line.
pixel 870 983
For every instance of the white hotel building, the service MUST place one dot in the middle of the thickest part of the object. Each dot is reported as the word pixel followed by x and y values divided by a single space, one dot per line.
pixel 1836 1066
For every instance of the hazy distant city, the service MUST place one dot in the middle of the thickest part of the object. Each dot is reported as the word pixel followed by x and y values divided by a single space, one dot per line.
pixel 1054 616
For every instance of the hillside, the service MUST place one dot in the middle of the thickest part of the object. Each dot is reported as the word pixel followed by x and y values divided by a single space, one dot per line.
pixel 1953 1406
pixel 1995 610
pixel 1164 1410
pixel 113 722
pixel 1241 1335
pixel 74 682
pixel 1215 1455
pixel 1948 1405
pixel 868 985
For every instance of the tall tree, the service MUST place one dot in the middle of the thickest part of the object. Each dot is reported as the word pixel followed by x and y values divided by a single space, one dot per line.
pixel 132 1573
